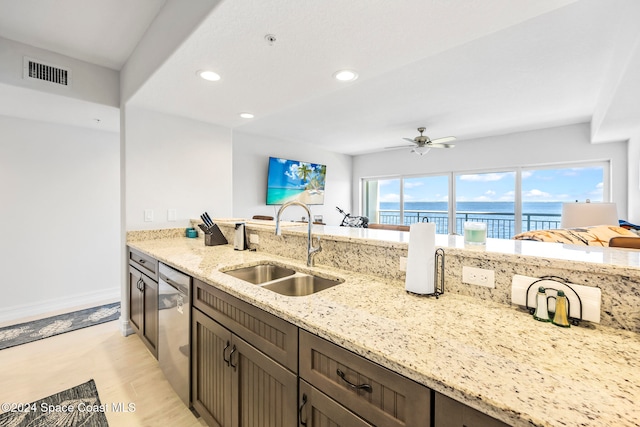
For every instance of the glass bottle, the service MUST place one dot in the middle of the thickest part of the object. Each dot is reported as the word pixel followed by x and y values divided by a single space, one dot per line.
pixel 560 316
pixel 542 311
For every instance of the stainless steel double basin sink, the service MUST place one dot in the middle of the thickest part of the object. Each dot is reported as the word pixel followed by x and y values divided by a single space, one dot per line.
pixel 283 280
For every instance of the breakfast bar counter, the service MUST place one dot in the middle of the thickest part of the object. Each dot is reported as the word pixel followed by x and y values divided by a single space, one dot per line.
pixel 490 356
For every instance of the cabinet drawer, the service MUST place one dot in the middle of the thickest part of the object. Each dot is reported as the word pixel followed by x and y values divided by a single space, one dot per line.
pixel 273 336
pixel 318 410
pixel 384 397
pixel 451 413
pixel 144 263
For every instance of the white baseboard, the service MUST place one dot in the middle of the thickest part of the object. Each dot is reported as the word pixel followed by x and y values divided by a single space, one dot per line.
pixel 125 326
pixel 59 305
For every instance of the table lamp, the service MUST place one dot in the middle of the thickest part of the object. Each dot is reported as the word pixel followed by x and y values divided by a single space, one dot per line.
pixel 588 214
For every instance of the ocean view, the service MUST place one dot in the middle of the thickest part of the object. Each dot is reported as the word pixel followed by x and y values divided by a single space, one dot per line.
pixel 499 207
pixel 499 216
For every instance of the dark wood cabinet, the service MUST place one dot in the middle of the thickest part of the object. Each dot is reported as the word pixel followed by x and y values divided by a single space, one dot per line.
pixel 235 383
pixel 368 390
pixel 143 301
pixel 319 410
pixel 451 413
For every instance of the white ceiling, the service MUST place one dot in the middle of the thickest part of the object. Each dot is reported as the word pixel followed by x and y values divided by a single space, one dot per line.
pixel 458 67
pixel 102 32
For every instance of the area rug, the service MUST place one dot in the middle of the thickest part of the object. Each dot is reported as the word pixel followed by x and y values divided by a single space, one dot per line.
pixel 23 333
pixel 76 407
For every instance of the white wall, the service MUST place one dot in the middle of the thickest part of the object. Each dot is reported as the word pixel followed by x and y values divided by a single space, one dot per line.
pixel 250 164
pixel 544 146
pixel 634 179
pixel 175 163
pixel 89 82
pixel 59 193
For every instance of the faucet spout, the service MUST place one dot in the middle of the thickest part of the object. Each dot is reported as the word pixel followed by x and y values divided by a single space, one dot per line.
pixel 311 249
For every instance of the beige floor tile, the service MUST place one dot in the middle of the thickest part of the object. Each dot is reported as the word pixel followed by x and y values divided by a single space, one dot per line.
pixel 124 372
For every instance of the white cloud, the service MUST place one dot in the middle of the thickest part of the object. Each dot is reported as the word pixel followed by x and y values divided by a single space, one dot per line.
pixel 600 185
pixel 413 184
pixel 527 174
pixel 490 193
pixel 485 177
pixel 390 198
pixel 536 194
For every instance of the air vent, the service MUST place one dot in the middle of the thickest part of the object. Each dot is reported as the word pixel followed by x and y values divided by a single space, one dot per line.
pixel 38 70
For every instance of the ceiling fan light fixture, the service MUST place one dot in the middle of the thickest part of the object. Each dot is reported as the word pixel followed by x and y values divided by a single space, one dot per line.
pixel 246 115
pixel 209 75
pixel 421 151
pixel 345 75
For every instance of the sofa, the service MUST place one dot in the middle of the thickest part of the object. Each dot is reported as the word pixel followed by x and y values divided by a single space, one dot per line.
pixel 599 235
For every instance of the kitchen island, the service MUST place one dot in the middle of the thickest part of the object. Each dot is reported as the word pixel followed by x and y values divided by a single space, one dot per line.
pixel 490 356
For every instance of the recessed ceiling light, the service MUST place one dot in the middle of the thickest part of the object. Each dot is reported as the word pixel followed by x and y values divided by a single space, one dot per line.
pixel 209 75
pixel 246 115
pixel 345 75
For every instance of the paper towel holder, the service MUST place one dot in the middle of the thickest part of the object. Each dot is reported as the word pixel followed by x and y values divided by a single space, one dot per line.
pixel 575 321
pixel 438 278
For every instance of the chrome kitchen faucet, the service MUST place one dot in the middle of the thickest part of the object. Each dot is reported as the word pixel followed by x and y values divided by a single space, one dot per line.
pixel 311 250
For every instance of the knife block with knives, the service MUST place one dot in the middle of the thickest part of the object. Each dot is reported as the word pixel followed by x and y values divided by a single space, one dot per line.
pixel 212 234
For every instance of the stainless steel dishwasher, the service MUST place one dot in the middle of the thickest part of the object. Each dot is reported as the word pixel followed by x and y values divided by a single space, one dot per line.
pixel 174 318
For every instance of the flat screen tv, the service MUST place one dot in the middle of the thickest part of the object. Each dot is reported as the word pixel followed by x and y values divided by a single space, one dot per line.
pixel 293 180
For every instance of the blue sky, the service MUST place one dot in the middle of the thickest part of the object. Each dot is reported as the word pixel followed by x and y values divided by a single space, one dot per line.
pixel 540 185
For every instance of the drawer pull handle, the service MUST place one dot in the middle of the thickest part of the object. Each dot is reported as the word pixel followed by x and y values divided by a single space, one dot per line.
pixel 304 402
pixel 233 350
pixel 365 387
pixel 141 261
pixel 224 352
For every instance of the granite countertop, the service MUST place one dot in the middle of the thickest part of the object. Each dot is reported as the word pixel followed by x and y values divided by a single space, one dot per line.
pixel 598 258
pixel 492 357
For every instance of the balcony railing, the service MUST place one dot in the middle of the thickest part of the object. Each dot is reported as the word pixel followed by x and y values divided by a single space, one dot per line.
pixel 500 225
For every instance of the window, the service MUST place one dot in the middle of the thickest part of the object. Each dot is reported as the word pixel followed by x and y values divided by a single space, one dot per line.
pixel 426 199
pixel 489 198
pixel 382 200
pixel 545 189
pixel 509 201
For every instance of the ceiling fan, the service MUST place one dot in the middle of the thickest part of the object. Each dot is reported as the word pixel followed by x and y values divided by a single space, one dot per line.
pixel 423 143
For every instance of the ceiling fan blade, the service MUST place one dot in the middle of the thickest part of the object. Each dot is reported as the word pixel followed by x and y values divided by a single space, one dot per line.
pixel 440 145
pixel 398 146
pixel 444 139
pixel 410 140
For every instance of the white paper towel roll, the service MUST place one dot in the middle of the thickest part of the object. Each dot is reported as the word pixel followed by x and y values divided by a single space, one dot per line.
pixel 421 259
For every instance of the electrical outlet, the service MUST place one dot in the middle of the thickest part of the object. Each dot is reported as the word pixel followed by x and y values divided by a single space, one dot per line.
pixel 172 215
pixel 148 215
pixel 403 263
pixel 478 276
pixel 254 238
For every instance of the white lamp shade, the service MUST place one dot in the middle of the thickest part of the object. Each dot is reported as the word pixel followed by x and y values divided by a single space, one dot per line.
pixel 588 214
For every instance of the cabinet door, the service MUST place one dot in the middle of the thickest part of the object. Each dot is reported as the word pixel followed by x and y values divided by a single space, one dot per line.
pixel 150 322
pixel 270 334
pixel 264 392
pixel 319 410
pixel 136 300
pixel 210 372
pixel 375 393
pixel 451 413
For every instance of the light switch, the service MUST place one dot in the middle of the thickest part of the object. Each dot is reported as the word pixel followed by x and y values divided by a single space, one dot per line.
pixel 148 215
pixel 172 215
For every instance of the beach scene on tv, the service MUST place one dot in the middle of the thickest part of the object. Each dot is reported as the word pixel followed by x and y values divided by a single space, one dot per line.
pixel 290 180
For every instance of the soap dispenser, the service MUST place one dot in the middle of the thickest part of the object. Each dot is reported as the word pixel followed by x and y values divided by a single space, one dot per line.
pixel 560 317
pixel 542 311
